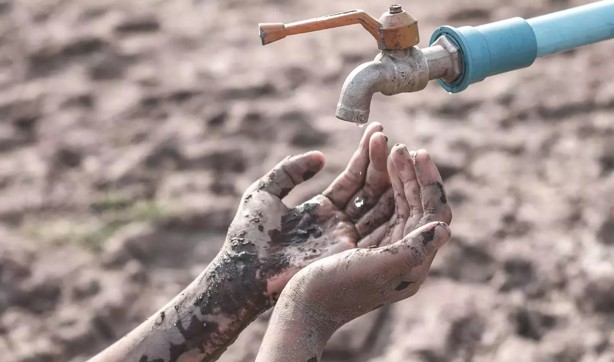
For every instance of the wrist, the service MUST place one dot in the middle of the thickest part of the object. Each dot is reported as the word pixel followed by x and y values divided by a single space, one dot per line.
pixel 201 321
pixel 299 328
pixel 233 280
pixel 302 300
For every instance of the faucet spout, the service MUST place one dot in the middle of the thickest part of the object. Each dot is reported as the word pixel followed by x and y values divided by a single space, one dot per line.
pixel 360 85
pixel 391 72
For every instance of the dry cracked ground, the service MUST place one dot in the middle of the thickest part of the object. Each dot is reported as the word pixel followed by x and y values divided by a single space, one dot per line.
pixel 129 129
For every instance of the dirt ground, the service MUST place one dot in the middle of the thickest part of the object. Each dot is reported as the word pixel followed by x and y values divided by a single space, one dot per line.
pixel 129 129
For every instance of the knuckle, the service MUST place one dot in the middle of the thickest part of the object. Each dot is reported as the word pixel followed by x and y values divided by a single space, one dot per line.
pixel 417 255
pixel 437 212
pixel 432 205
pixel 286 171
pixel 352 178
pixel 255 186
pixel 415 210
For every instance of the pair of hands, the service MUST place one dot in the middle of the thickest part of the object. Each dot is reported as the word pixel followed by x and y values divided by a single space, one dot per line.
pixel 372 233
pixel 367 240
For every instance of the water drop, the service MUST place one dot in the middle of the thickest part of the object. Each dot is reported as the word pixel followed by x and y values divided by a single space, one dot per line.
pixel 449 92
pixel 359 201
pixel 361 125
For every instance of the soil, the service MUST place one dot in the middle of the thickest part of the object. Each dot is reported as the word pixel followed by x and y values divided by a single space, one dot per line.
pixel 129 130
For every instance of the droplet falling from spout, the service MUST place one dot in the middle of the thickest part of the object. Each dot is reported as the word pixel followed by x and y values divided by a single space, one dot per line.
pixel 359 201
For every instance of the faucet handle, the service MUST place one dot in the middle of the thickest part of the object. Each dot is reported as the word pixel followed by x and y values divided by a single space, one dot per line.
pixel 395 29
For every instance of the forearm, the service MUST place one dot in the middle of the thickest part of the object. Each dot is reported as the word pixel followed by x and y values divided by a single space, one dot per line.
pixel 202 321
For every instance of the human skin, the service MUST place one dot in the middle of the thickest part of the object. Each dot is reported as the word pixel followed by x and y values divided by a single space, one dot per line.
pixel 335 290
pixel 267 243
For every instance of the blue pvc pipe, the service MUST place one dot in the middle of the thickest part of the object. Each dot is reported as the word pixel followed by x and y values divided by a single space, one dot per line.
pixel 574 27
pixel 515 43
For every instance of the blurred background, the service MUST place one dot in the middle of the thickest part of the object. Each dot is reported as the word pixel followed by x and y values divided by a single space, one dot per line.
pixel 129 130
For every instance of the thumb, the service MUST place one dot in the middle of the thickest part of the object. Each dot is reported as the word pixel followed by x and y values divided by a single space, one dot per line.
pixel 420 245
pixel 290 172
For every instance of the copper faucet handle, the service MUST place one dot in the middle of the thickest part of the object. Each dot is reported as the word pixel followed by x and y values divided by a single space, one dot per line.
pixel 270 32
pixel 396 29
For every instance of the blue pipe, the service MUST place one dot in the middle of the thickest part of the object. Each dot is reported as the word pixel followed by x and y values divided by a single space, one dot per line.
pixel 515 43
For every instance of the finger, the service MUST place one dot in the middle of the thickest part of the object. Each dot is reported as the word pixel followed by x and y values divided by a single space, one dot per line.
pixel 404 164
pixel 420 245
pixel 433 196
pixel 401 213
pixel 377 179
pixel 378 215
pixel 413 256
pixel 291 172
pixel 374 238
pixel 352 178
pixel 407 256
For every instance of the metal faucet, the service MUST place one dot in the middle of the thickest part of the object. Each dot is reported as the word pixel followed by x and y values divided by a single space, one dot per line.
pixel 456 57
pixel 400 67
pixel 393 72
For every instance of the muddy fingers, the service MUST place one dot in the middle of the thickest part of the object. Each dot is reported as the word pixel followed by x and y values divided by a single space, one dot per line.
pixel 291 172
pixel 377 180
pixel 374 238
pixel 377 216
pixel 433 195
pixel 422 243
pixel 399 219
pixel 352 178
pixel 404 164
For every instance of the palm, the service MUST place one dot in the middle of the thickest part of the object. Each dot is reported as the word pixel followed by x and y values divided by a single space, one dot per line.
pixel 287 239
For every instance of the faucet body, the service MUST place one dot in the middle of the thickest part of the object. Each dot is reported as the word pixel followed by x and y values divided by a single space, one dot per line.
pixel 393 72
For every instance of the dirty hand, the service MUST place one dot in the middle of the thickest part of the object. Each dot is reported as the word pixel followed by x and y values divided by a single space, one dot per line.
pixel 337 289
pixel 267 243
pixel 277 241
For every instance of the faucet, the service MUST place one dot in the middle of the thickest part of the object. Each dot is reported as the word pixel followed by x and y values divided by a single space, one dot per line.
pixel 400 66
pixel 393 72
pixel 456 57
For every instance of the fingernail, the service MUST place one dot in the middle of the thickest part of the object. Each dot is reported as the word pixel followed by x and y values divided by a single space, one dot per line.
pixel 424 153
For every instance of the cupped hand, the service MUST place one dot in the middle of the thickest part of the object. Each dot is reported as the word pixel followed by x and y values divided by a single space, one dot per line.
pixel 284 240
pixel 388 268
